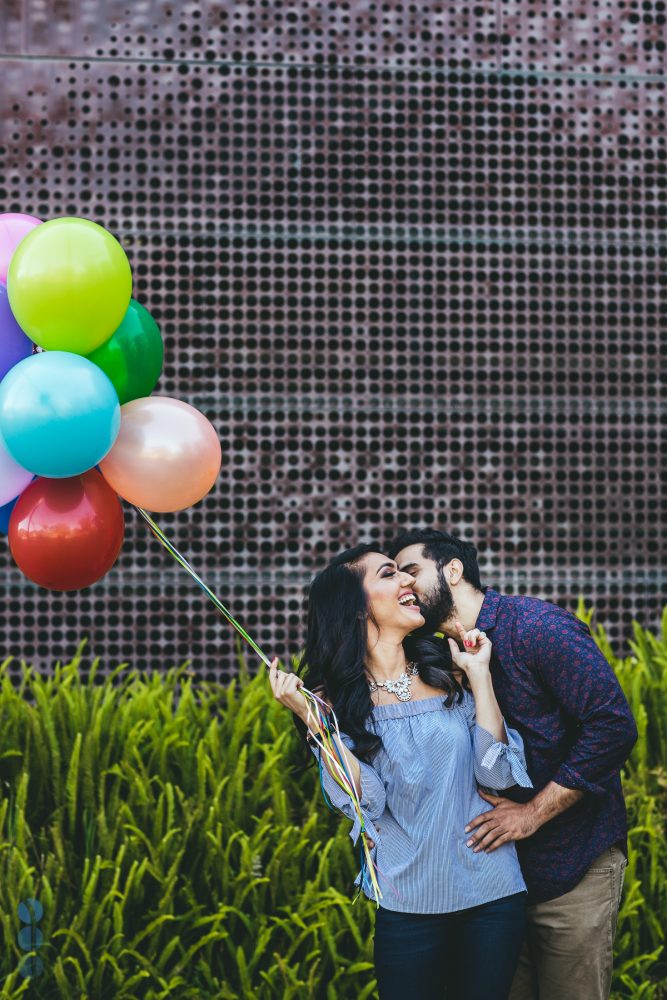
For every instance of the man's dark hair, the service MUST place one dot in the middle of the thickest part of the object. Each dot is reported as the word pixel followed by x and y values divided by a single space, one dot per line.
pixel 441 547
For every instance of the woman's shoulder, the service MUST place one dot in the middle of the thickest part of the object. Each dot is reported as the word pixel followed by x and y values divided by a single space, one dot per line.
pixel 466 705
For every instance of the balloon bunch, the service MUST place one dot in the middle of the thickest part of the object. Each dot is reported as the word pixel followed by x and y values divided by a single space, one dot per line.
pixel 79 429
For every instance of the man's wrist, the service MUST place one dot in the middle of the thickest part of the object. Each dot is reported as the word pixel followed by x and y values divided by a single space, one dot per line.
pixel 552 800
pixel 534 808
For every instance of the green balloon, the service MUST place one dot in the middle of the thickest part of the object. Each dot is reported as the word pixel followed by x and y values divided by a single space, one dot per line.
pixel 132 357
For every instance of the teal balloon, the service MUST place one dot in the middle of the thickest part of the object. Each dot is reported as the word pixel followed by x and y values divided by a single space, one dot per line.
pixel 133 356
pixel 59 414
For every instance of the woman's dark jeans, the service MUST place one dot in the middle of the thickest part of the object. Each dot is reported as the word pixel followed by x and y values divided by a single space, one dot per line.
pixel 467 955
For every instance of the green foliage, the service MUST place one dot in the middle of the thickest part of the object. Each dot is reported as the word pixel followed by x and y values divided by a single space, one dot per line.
pixel 156 820
pixel 640 962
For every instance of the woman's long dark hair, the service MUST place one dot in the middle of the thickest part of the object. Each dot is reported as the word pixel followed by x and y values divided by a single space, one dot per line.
pixel 333 660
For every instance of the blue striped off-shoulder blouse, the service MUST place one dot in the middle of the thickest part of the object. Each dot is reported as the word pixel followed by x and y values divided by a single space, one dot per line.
pixel 421 789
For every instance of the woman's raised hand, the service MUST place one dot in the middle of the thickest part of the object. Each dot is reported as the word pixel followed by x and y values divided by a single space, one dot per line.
pixel 285 687
pixel 476 656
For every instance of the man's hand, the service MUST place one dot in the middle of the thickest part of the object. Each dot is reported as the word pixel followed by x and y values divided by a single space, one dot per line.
pixel 506 821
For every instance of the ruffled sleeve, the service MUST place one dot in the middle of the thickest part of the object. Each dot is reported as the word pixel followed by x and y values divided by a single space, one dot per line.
pixel 373 797
pixel 497 765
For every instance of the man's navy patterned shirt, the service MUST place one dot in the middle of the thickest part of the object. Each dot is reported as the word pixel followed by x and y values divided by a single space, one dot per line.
pixel 554 685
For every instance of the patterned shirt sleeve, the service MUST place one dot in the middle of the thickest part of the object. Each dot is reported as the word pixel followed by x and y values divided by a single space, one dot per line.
pixel 498 765
pixel 562 651
pixel 373 797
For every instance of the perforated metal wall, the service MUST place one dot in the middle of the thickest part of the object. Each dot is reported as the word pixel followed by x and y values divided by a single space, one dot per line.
pixel 408 258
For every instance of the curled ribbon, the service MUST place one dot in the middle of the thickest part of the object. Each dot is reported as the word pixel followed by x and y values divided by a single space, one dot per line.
pixel 318 722
pixel 321 731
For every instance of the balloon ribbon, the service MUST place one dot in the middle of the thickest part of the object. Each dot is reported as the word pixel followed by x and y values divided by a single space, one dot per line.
pixel 322 732
pixel 160 535
pixel 319 725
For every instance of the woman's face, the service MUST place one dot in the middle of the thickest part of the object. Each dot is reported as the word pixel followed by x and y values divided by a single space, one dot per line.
pixel 392 602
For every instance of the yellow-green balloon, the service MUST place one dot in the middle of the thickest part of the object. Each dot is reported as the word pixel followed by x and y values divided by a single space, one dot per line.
pixel 69 285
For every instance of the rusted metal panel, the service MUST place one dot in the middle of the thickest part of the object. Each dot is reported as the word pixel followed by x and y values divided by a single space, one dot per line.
pixel 407 258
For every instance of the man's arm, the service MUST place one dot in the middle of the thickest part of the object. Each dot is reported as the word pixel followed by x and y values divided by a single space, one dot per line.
pixel 564 655
pixel 553 799
pixel 517 820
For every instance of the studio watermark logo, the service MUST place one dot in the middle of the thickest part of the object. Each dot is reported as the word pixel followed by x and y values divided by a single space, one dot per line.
pixel 30 937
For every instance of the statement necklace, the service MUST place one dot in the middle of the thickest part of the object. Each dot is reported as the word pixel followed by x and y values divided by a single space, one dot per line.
pixel 401 686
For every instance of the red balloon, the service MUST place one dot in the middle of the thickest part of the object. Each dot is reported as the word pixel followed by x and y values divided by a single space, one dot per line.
pixel 66 533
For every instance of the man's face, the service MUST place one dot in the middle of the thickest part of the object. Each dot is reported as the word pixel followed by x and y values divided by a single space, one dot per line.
pixel 433 593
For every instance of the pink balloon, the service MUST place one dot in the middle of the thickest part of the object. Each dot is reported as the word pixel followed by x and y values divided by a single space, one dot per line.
pixel 13 227
pixel 167 455
pixel 13 477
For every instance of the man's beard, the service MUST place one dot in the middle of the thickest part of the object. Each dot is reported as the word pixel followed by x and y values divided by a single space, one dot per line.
pixel 437 606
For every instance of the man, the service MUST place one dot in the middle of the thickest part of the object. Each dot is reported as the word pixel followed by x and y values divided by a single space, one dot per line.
pixel 555 686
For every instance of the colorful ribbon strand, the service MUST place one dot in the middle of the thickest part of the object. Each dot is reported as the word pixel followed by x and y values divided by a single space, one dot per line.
pixel 321 731
pixel 318 717
pixel 159 534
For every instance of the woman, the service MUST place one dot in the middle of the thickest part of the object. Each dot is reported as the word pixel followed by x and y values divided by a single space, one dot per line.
pixel 451 917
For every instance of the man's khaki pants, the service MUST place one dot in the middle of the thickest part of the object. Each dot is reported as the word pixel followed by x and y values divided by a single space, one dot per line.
pixel 568 950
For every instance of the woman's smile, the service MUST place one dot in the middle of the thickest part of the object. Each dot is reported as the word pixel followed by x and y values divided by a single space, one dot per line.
pixel 408 600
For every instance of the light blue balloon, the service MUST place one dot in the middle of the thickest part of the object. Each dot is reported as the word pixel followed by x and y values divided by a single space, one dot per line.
pixel 59 414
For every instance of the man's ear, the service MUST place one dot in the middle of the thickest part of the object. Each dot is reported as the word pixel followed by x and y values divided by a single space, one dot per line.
pixel 453 569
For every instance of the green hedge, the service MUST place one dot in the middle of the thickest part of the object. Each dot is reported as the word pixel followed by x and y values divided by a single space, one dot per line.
pixel 156 821
pixel 640 954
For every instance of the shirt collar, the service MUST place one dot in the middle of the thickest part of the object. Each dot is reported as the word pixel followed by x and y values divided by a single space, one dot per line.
pixel 489 610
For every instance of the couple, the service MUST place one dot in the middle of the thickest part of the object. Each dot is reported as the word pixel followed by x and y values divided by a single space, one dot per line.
pixel 484 895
